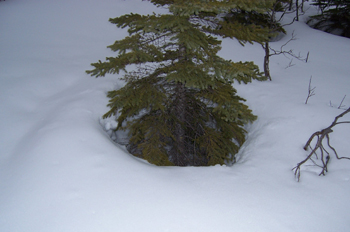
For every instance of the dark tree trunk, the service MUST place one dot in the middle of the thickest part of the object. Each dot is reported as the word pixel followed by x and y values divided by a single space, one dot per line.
pixel 179 112
pixel 302 6
pixel 267 61
pixel 297 10
pixel 290 5
pixel 179 153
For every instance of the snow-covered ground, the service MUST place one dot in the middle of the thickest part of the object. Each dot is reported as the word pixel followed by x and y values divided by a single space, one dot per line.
pixel 60 171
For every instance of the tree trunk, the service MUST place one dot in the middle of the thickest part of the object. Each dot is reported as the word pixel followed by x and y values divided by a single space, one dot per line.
pixel 290 5
pixel 297 10
pixel 267 61
pixel 179 111
pixel 179 153
pixel 302 6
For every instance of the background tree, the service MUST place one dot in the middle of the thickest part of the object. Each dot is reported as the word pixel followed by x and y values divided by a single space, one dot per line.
pixel 178 104
pixel 267 20
pixel 334 17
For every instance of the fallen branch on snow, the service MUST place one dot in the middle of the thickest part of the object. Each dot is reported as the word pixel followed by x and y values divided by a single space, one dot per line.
pixel 325 156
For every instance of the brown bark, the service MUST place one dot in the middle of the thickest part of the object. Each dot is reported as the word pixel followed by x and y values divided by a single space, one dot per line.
pixel 267 61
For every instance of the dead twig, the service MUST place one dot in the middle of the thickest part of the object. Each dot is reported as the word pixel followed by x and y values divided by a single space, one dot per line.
pixel 311 91
pixel 324 154
pixel 341 103
pixel 290 52
pixel 341 106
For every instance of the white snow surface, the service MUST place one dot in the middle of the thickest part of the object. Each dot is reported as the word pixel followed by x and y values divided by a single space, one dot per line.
pixel 60 170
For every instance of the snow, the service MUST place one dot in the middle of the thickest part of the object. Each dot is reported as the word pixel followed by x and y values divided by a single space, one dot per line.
pixel 60 170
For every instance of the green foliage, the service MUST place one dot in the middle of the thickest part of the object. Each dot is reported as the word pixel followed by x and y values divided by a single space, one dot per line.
pixel 335 17
pixel 258 26
pixel 236 28
pixel 178 104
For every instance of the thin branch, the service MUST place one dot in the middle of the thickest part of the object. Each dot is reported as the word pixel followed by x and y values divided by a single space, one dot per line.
pixel 290 64
pixel 311 91
pixel 289 52
pixel 342 122
pixel 340 105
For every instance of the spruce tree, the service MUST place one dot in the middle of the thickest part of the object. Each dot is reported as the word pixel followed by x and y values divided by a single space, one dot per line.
pixel 178 104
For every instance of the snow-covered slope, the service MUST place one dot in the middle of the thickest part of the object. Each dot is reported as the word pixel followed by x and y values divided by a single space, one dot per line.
pixel 60 171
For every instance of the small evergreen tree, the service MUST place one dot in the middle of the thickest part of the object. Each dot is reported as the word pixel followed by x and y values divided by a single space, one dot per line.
pixel 334 17
pixel 178 104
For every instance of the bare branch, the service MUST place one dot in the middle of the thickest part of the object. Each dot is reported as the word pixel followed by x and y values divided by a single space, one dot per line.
pixel 325 156
pixel 276 26
pixel 311 91
pixel 290 64
pixel 340 105
pixel 289 52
